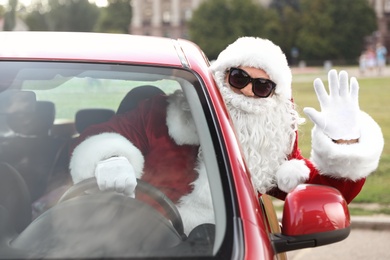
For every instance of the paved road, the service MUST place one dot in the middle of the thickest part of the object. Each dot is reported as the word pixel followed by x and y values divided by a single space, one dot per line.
pixel 361 244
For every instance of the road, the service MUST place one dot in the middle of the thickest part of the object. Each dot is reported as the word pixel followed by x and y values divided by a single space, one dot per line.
pixel 360 244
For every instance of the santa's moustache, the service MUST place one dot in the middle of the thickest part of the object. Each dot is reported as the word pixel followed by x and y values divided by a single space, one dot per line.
pixel 266 130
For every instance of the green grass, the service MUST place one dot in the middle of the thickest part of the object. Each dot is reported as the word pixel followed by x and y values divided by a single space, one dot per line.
pixel 374 98
pixel 362 211
pixel 70 97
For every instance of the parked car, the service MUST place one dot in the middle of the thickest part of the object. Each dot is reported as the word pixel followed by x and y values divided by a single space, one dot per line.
pixel 53 85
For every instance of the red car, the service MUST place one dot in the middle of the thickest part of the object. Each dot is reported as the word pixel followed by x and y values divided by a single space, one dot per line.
pixel 53 85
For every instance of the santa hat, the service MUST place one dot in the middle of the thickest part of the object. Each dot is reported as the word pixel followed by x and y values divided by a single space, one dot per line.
pixel 258 53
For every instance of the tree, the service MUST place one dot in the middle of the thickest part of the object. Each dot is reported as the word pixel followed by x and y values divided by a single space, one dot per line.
pixel 279 5
pixel 116 17
pixel 36 18
pixel 319 29
pixel 10 16
pixel 290 23
pixel 63 15
pixel 217 23
pixel 333 29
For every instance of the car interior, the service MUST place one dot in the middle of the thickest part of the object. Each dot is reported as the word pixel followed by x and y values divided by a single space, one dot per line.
pixel 36 191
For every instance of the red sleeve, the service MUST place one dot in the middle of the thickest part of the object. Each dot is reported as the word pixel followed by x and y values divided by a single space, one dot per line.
pixel 348 188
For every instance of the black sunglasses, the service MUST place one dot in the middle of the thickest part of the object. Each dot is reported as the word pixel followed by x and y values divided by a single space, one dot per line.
pixel 261 87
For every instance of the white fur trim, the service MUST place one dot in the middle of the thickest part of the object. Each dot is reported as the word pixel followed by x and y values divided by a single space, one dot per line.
pixel 100 147
pixel 196 208
pixel 181 126
pixel 291 174
pixel 258 53
pixel 351 161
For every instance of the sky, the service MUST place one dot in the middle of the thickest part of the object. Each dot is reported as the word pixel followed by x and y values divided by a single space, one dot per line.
pixel 99 3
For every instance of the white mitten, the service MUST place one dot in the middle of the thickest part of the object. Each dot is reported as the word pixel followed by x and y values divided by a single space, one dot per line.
pixel 292 173
pixel 340 110
pixel 116 174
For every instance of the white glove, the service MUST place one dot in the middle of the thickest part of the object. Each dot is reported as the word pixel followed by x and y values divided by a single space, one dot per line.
pixel 338 118
pixel 292 173
pixel 116 174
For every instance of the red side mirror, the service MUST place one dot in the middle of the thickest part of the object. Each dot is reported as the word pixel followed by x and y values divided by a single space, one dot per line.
pixel 313 215
pixel 312 209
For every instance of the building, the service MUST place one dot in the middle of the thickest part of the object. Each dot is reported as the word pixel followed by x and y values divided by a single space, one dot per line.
pixel 167 18
pixel 382 10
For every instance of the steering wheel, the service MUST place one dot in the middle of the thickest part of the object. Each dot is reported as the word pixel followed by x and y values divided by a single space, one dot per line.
pixel 89 186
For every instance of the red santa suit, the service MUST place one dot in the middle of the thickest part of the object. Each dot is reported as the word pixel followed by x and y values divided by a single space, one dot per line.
pixel 342 166
pixel 145 130
pixel 159 140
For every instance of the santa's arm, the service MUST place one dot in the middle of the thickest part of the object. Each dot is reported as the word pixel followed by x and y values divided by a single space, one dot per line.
pixel 299 170
pixel 124 136
pixel 112 152
pixel 348 161
pixel 346 142
pixel 97 148
pixel 346 166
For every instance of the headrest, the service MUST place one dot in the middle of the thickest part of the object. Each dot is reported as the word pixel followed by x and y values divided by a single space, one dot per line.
pixel 92 116
pixel 36 122
pixel 134 96
pixel 16 101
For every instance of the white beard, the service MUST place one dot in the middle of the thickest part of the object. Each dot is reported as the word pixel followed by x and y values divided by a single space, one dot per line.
pixel 266 129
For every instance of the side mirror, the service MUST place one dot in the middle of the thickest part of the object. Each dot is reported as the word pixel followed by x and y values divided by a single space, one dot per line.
pixel 313 215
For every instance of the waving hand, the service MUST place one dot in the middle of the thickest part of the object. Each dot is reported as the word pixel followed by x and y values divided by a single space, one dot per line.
pixel 340 110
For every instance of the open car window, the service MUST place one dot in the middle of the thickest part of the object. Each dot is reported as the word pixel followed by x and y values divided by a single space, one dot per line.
pixel 60 102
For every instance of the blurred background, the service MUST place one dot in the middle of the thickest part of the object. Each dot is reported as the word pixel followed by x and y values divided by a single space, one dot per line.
pixel 316 35
pixel 310 32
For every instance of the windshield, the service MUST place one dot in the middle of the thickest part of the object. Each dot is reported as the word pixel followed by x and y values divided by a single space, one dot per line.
pixel 71 131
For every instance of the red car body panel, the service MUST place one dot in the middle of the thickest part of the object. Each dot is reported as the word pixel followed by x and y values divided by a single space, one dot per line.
pixel 321 217
pixel 91 47
pixel 88 47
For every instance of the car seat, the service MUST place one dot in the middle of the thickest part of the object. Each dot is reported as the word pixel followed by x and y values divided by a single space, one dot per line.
pixel 83 119
pixel 15 197
pixel 91 116
pixel 134 96
pixel 30 149
pixel 60 179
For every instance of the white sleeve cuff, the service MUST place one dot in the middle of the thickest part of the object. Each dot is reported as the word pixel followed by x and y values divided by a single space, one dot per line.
pixel 350 161
pixel 100 147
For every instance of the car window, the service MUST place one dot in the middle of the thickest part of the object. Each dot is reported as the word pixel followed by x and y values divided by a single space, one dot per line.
pixel 59 102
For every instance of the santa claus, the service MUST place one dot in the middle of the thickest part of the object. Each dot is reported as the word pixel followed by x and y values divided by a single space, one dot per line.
pixel 159 137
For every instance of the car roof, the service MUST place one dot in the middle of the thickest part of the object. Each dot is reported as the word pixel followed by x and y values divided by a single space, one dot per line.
pixel 98 47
